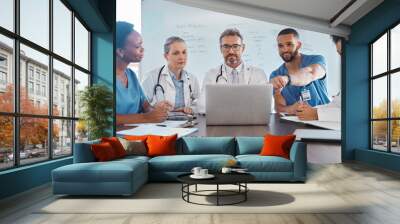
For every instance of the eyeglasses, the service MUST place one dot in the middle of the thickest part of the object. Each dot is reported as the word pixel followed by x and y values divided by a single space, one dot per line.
pixel 234 47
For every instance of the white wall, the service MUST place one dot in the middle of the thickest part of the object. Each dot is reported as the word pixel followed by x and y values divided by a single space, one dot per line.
pixel 201 29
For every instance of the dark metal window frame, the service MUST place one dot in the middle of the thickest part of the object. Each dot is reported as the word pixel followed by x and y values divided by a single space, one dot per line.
pixel 16 115
pixel 388 74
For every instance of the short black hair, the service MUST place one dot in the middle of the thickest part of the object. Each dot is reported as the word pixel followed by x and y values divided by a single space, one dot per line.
pixel 336 39
pixel 123 29
pixel 289 31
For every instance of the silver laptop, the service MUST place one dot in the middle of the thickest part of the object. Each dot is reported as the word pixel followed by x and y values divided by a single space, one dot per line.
pixel 238 104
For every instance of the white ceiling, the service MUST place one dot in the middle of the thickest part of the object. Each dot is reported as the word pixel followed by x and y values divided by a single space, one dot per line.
pixel 315 15
pixel 318 9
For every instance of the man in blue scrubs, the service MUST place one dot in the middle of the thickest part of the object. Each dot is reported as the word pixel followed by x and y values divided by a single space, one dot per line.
pixel 132 105
pixel 301 79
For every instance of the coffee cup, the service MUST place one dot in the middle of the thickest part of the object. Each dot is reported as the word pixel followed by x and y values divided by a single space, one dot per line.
pixel 196 171
pixel 203 172
pixel 226 170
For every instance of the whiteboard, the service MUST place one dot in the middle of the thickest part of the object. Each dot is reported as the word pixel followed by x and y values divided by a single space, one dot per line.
pixel 201 30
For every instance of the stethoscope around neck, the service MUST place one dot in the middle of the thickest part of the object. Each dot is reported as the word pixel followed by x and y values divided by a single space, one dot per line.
pixel 159 87
pixel 220 74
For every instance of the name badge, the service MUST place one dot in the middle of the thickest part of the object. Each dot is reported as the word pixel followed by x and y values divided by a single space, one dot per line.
pixel 305 94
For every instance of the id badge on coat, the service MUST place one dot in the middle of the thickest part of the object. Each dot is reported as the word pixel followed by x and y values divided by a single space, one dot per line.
pixel 305 94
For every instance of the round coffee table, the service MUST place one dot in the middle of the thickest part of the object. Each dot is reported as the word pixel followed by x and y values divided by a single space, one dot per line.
pixel 238 179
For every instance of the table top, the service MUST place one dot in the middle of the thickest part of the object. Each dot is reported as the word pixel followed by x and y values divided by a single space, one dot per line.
pixel 220 178
pixel 276 126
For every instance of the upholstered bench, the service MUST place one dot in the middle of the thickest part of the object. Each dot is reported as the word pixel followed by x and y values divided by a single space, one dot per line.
pixel 87 177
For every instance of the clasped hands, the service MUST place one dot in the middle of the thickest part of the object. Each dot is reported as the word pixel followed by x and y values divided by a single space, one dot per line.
pixel 161 109
pixel 303 111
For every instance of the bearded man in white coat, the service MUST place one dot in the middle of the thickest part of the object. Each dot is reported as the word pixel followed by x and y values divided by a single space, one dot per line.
pixel 233 70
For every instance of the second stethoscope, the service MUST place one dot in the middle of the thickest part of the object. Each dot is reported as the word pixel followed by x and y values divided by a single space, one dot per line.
pixel 158 86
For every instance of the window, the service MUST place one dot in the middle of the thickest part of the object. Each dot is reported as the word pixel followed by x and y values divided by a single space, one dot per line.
pixel 62 75
pixel 385 96
pixel 44 91
pixel 3 78
pixel 81 45
pixel 30 87
pixel 3 61
pixel 30 72
pixel 7 14
pixel 37 74
pixel 3 71
pixel 38 89
pixel 46 130
pixel 7 71
pixel 43 77
pixel 34 26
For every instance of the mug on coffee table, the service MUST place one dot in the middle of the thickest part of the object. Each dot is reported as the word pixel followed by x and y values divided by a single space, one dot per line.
pixel 196 171
pixel 204 172
pixel 226 170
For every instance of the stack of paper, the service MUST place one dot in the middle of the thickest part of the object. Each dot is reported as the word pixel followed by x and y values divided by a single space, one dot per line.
pixel 167 123
pixel 151 129
pixel 322 124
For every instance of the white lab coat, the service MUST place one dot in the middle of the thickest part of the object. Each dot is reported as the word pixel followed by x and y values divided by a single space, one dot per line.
pixel 169 88
pixel 331 111
pixel 248 74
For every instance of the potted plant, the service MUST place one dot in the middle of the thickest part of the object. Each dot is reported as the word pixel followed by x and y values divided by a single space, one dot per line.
pixel 96 103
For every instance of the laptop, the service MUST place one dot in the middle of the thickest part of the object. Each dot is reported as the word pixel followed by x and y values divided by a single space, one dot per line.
pixel 238 104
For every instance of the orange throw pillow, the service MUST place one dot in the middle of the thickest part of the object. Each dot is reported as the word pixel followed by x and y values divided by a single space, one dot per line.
pixel 116 145
pixel 136 137
pixel 103 152
pixel 275 145
pixel 161 145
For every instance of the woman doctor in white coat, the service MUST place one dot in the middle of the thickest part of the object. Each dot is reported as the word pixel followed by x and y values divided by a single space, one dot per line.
pixel 171 82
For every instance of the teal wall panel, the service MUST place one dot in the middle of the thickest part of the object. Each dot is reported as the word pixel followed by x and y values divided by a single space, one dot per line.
pixel 24 178
pixel 99 16
pixel 377 158
pixel 356 107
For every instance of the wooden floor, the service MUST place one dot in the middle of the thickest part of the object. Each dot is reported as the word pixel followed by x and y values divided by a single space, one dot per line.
pixel 378 188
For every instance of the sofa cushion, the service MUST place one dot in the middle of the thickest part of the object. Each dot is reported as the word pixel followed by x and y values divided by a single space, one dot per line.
pixel 83 152
pixel 161 145
pixel 185 163
pixel 133 157
pixel 257 163
pixel 249 145
pixel 112 171
pixel 116 145
pixel 136 137
pixel 134 147
pixel 207 145
pixel 103 152
pixel 277 145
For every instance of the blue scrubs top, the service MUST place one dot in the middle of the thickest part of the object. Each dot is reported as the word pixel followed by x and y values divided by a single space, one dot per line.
pixel 179 93
pixel 130 100
pixel 317 88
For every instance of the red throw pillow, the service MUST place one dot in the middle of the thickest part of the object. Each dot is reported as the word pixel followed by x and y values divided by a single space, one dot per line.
pixel 161 145
pixel 103 151
pixel 136 137
pixel 116 145
pixel 275 145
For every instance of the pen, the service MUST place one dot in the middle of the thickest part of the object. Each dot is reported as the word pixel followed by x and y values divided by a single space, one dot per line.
pixel 161 125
